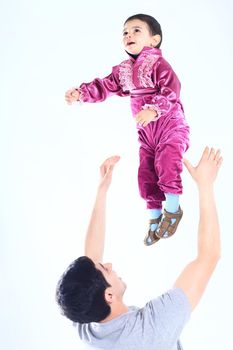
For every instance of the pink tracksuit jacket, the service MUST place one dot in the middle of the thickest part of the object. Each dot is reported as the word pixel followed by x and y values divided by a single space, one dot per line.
pixel 151 83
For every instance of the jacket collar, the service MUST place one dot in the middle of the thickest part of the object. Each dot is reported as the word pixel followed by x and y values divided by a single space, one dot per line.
pixel 145 52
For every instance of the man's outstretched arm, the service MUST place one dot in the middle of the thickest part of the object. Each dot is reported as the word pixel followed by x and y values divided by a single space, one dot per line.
pixel 95 236
pixel 194 278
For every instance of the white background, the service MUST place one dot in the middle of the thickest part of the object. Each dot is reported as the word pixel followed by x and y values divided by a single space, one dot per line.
pixel 50 154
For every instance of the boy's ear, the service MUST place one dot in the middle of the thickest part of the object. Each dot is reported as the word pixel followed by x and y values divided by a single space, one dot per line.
pixel 156 40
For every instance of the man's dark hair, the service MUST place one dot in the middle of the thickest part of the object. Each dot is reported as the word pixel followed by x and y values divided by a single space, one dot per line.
pixel 152 23
pixel 80 292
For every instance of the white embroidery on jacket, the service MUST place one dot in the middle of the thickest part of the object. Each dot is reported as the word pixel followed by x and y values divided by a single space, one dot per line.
pixel 144 73
pixel 145 70
pixel 126 75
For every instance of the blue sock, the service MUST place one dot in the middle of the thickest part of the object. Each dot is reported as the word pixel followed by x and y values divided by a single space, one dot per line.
pixel 154 214
pixel 172 202
pixel 171 205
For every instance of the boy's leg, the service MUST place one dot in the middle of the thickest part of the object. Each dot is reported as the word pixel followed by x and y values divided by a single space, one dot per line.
pixel 148 180
pixel 168 164
pixel 150 192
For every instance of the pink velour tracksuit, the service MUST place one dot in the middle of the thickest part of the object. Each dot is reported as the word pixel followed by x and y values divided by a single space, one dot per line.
pixel 151 83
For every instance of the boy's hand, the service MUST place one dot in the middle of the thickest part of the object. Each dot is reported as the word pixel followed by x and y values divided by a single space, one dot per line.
pixel 145 116
pixel 72 95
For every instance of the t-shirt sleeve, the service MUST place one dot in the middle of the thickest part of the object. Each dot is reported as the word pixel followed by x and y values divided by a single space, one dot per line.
pixel 168 314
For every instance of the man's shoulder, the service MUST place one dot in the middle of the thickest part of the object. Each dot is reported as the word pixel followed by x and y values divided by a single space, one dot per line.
pixel 171 296
pixel 141 327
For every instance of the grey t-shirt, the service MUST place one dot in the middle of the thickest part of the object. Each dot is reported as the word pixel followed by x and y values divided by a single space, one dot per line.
pixel 156 326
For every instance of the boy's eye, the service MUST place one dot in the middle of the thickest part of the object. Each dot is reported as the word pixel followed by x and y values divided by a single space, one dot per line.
pixel 137 30
pixel 125 33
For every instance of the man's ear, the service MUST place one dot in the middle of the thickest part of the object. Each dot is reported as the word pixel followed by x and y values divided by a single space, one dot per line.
pixel 156 40
pixel 108 295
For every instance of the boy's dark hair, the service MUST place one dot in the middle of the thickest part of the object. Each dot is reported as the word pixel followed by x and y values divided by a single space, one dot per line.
pixel 152 23
pixel 80 292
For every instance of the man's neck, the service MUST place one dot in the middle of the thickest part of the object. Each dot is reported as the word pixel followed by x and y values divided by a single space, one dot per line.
pixel 117 309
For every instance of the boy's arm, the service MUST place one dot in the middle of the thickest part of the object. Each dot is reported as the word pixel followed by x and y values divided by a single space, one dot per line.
pixel 100 89
pixel 95 236
pixel 97 90
pixel 195 277
pixel 168 85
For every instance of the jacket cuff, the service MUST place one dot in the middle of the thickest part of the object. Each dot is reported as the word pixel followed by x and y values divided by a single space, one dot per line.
pixel 155 108
pixel 81 96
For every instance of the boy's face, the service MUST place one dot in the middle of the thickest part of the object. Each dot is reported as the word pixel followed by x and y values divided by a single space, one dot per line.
pixel 136 35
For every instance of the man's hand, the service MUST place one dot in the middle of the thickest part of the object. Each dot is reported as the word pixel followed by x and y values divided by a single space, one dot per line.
pixel 72 95
pixel 145 116
pixel 206 171
pixel 195 276
pixel 95 236
pixel 106 170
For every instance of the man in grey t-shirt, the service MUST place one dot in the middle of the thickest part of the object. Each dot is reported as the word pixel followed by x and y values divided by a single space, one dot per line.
pixel 91 294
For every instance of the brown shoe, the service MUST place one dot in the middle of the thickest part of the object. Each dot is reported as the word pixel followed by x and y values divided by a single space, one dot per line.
pixel 151 237
pixel 166 228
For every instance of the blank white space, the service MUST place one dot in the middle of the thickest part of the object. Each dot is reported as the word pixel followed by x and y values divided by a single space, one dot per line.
pixel 50 154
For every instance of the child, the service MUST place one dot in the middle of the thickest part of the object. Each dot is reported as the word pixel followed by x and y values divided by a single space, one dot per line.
pixel 154 91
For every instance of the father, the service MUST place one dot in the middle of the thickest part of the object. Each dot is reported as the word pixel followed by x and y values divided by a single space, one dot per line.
pixel 91 294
